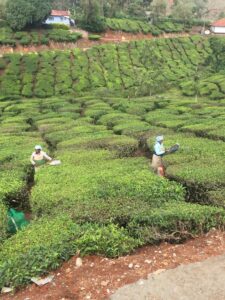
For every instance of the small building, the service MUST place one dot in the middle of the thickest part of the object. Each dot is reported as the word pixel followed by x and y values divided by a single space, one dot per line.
pixel 218 26
pixel 60 17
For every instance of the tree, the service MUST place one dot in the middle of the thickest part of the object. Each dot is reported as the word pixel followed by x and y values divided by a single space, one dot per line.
pixel 2 9
pixel 21 13
pixel 93 19
pixel 158 9
pixel 183 10
pixel 200 8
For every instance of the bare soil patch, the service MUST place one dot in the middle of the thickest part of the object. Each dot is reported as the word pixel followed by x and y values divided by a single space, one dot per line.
pixel 100 277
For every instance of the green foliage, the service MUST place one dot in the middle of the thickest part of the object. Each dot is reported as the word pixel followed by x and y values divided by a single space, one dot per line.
pixel 3 222
pixel 110 240
pixel 58 26
pixel 21 13
pixel 133 26
pixel 25 38
pixel 60 35
pixel 93 20
pixel 175 222
pixel 94 37
pixel 104 182
pixel 41 246
pixel 132 69
pixel 44 244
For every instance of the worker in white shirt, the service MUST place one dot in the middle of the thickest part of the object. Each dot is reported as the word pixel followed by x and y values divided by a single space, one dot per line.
pixel 39 157
pixel 159 152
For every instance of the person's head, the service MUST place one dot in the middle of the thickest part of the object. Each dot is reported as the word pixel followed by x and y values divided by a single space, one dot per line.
pixel 38 148
pixel 160 139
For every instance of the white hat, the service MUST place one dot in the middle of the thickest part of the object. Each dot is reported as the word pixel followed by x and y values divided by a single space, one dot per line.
pixel 38 147
pixel 159 138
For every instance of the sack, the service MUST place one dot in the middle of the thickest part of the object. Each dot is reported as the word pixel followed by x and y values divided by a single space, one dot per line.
pixel 16 220
pixel 174 148
pixel 55 163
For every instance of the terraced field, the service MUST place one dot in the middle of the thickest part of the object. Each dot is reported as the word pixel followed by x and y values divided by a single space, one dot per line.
pixel 103 198
pixel 136 68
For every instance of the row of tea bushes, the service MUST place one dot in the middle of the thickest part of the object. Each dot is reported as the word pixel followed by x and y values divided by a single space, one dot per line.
pixel 135 26
pixel 199 118
pixel 46 243
pixel 97 181
pixel 15 174
pixel 213 87
pixel 130 68
pixel 132 26
pixel 41 37
pixel 17 142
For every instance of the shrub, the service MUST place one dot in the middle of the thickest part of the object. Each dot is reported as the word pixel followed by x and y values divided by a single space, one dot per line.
pixel 59 26
pixel 33 251
pixel 175 222
pixel 110 240
pixel 44 244
pixel 94 37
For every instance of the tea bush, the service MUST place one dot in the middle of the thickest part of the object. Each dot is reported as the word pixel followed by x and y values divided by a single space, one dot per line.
pixel 3 222
pixel 58 33
pixel 175 222
pixel 195 167
pixel 94 37
pixel 44 244
pixel 135 26
pixel 31 252
pixel 102 182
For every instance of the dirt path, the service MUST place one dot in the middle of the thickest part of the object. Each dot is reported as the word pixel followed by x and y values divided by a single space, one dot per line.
pixel 98 277
pixel 85 43
pixel 197 281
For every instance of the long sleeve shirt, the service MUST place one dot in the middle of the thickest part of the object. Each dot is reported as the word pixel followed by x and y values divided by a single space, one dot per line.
pixel 159 149
pixel 39 156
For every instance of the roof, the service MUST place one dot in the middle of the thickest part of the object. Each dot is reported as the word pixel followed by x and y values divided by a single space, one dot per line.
pixel 60 13
pixel 219 23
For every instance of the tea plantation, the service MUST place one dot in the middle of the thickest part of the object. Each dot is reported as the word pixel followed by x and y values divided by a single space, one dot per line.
pixel 99 112
pixel 8 37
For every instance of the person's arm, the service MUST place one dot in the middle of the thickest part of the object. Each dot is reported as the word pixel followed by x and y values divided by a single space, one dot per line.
pixel 32 160
pixel 47 157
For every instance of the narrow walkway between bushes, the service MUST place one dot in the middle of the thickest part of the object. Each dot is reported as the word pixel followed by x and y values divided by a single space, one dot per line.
pixel 197 281
pixel 99 277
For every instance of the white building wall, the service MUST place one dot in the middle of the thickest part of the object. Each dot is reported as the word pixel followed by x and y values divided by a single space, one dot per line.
pixel 58 20
pixel 216 29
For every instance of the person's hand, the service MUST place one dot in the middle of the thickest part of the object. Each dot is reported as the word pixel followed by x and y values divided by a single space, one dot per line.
pixel 33 164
